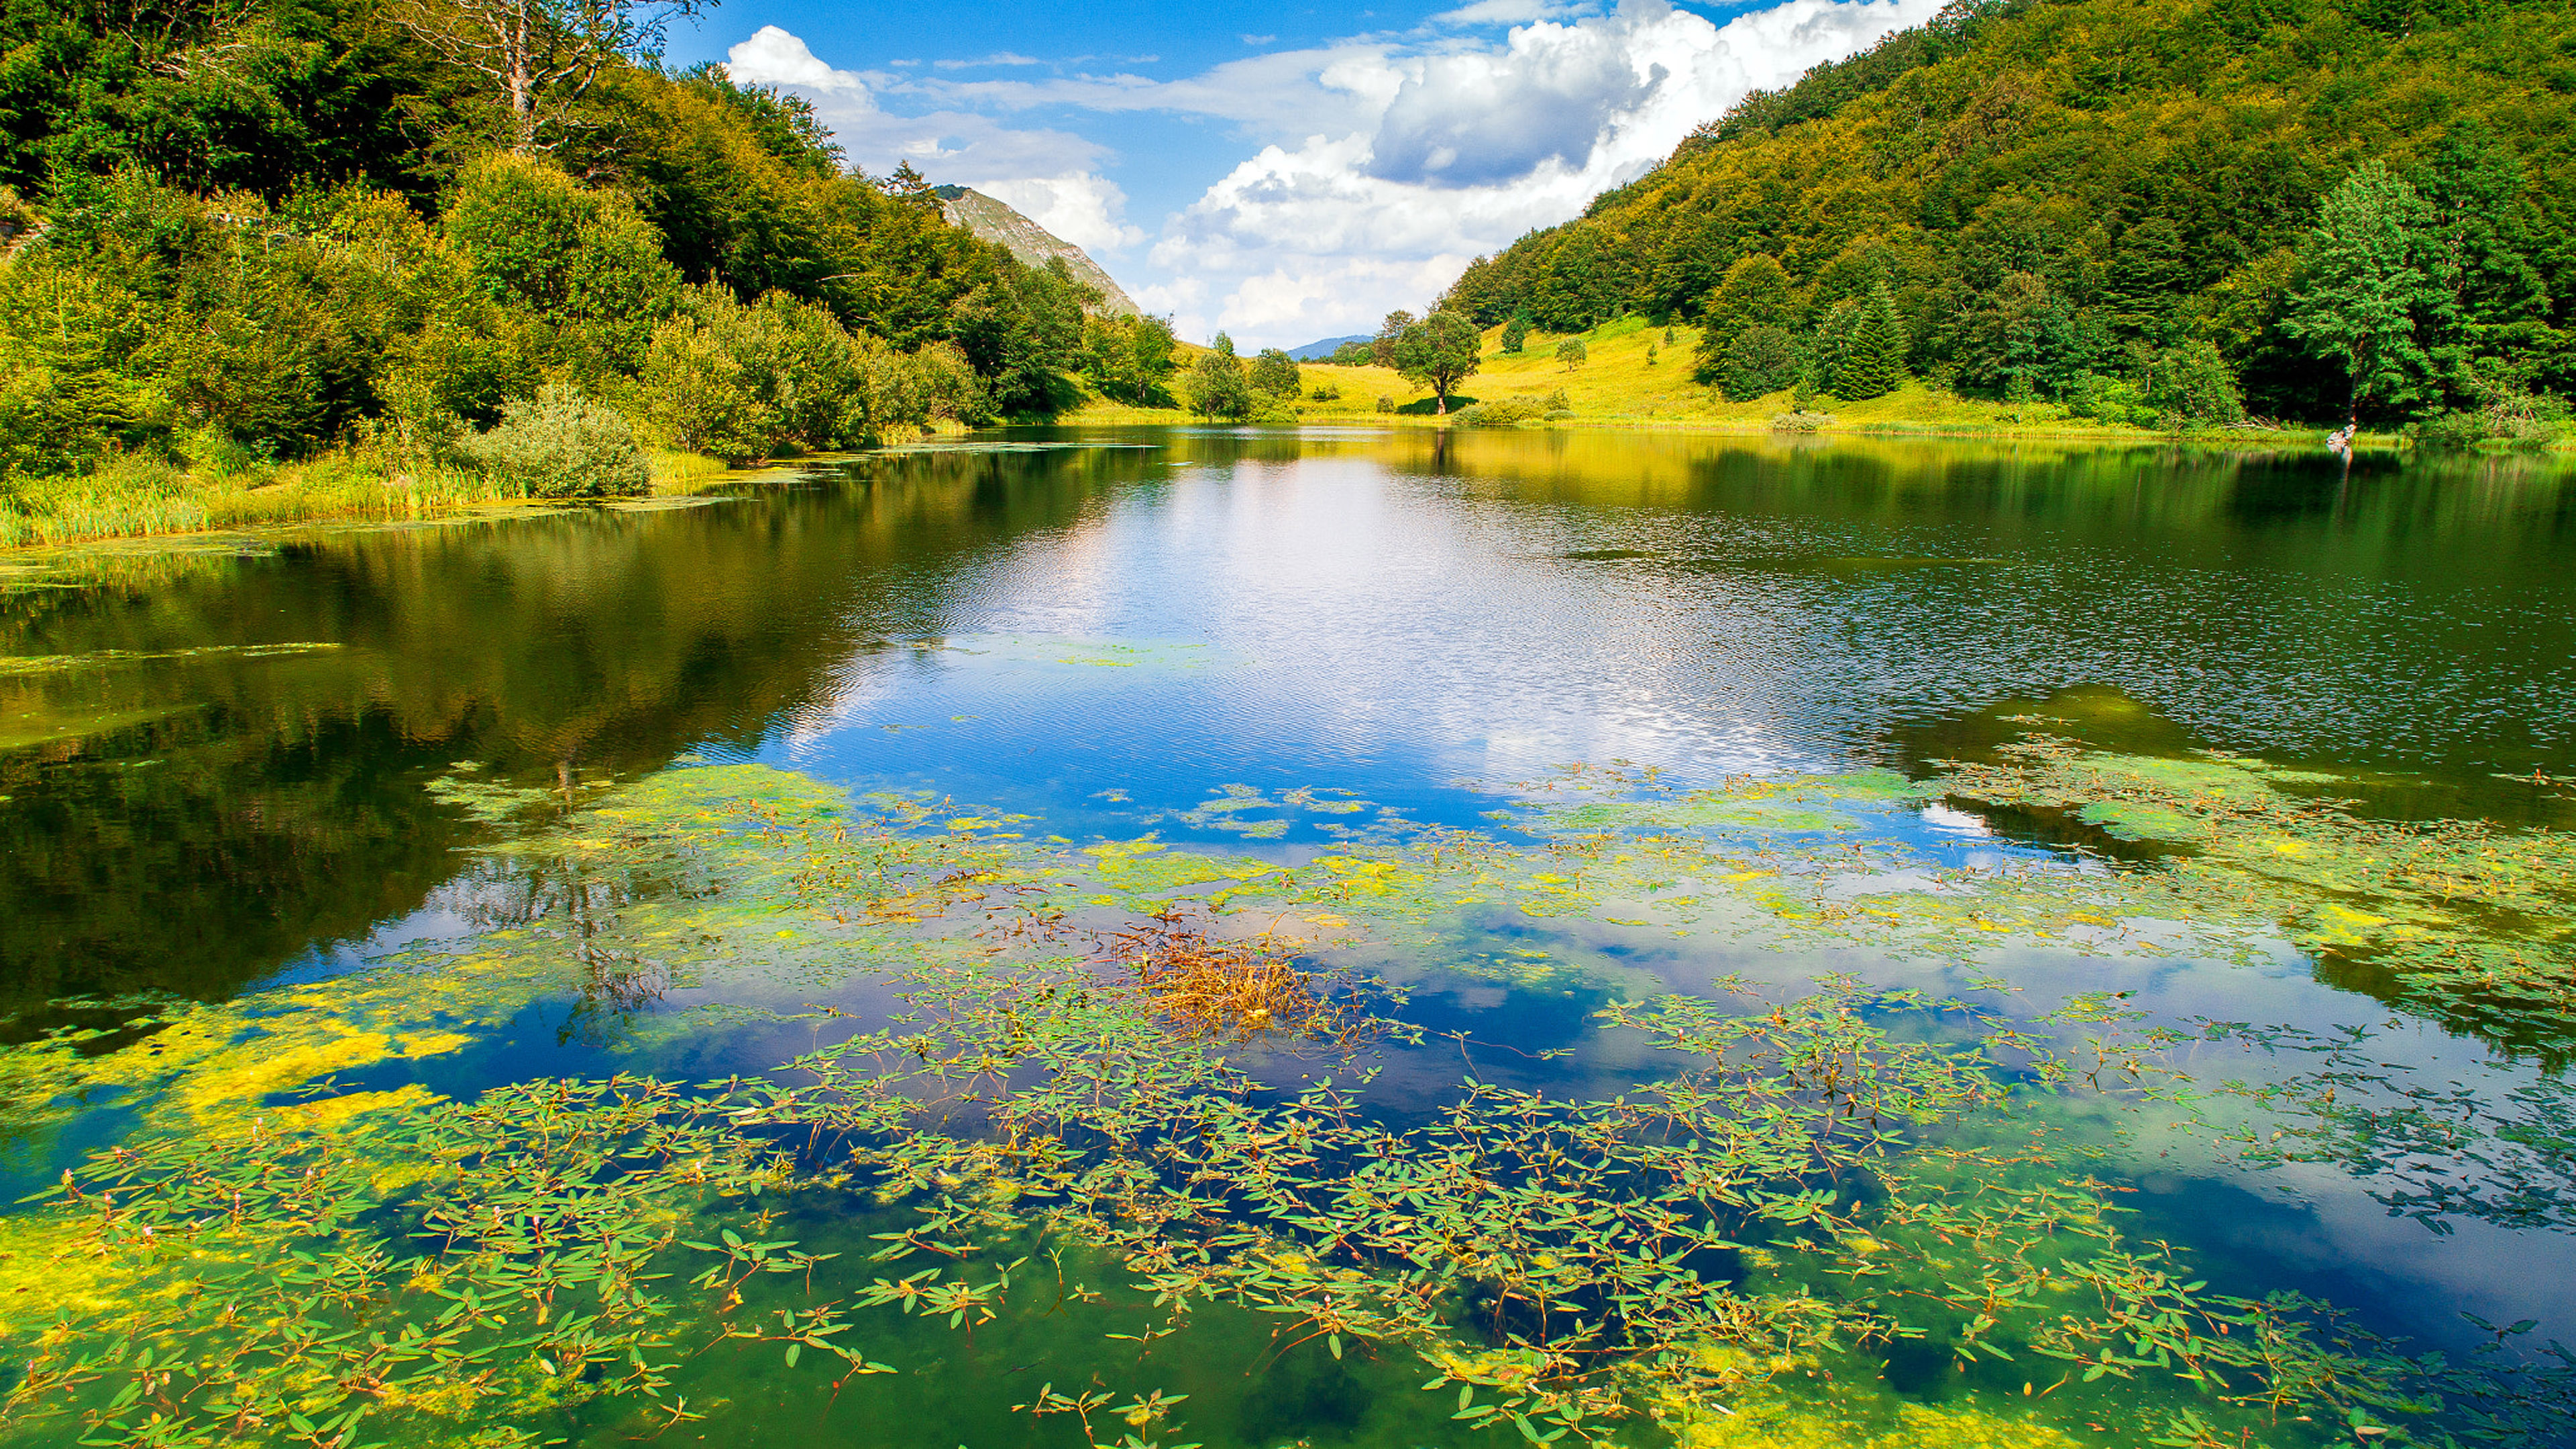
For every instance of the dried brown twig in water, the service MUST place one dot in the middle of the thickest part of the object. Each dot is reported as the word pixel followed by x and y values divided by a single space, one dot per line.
pixel 1215 987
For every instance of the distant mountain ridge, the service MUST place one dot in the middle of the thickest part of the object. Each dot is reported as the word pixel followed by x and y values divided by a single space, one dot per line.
pixel 996 222
pixel 1321 351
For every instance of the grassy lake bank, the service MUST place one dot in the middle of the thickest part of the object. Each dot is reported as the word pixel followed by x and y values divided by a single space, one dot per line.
pixel 1636 375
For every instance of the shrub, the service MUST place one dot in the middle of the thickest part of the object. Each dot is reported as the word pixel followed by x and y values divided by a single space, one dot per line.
pixel 1760 361
pixel 1508 412
pixel 65 403
pixel 1325 392
pixel 2194 383
pixel 1216 386
pixel 745 383
pixel 1275 372
pixel 696 395
pixel 2110 400
pixel 2506 413
pixel 1385 404
pixel 948 386
pixel 585 260
pixel 560 444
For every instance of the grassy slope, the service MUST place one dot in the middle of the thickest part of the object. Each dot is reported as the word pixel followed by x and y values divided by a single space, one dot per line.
pixel 1617 386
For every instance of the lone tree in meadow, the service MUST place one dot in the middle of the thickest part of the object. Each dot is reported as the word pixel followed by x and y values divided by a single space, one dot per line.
pixel 2376 289
pixel 1573 353
pixel 1873 364
pixel 1438 352
pixel 540 57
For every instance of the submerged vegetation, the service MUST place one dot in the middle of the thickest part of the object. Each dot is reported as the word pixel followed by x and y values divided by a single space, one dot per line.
pixel 1147 1095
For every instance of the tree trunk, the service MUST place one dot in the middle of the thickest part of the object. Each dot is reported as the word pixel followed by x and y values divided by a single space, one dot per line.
pixel 523 102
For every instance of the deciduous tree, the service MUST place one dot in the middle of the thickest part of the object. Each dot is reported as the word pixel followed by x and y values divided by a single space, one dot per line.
pixel 2373 292
pixel 1438 352
pixel 1275 373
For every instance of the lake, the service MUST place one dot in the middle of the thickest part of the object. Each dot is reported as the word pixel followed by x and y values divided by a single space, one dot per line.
pixel 1358 937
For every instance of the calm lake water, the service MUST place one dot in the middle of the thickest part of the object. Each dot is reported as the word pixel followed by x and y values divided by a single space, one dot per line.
pixel 245 774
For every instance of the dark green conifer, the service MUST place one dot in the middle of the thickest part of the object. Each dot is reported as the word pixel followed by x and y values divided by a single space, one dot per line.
pixel 1873 365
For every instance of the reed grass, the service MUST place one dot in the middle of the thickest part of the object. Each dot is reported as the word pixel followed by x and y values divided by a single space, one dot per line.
pixel 138 497
pixel 135 497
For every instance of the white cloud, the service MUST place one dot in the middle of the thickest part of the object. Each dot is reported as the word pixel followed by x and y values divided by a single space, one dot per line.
pixel 1084 209
pixel 774 57
pixel 1506 12
pixel 999 57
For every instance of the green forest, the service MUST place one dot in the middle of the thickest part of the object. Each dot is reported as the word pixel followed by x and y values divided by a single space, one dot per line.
pixel 2322 210
pixel 240 234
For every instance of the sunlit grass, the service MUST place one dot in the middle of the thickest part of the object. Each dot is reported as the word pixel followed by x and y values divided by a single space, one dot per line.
pixel 1636 374
pixel 136 496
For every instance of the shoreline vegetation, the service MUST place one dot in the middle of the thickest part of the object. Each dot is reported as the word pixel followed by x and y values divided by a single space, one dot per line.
pixel 1632 376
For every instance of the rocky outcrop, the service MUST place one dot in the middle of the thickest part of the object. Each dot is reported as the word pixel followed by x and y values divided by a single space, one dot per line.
pixel 1032 243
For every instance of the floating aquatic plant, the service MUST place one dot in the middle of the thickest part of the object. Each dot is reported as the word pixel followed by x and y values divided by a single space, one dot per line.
pixel 1803 1187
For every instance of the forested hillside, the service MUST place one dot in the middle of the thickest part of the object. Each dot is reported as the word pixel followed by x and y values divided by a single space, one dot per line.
pixel 237 231
pixel 2142 207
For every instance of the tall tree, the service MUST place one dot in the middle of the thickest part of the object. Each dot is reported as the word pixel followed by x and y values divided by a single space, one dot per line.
pixel 2148 278
pixel 1438 352
pixel 2374 292
pixel 2474 186
pixel 1756 292
pixel 1873 361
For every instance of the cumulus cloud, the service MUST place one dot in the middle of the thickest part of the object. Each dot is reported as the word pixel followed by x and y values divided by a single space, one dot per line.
pixel 1552 94
pixel 776 57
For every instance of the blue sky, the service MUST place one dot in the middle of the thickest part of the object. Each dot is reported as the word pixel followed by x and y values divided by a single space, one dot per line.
pixel 1282 173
